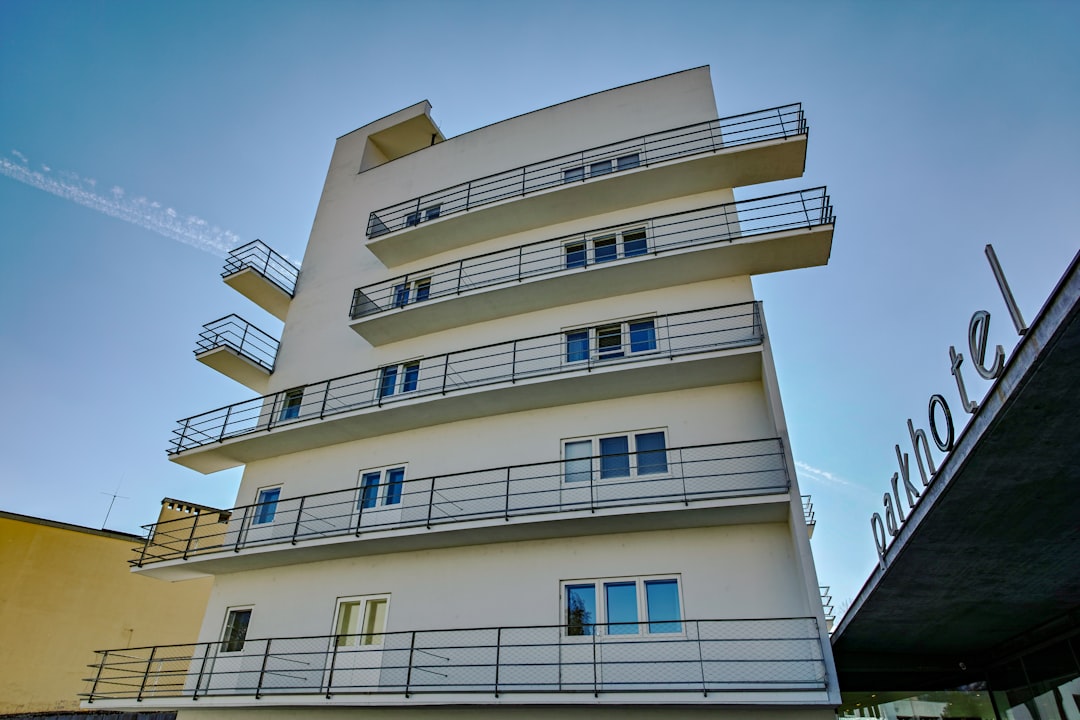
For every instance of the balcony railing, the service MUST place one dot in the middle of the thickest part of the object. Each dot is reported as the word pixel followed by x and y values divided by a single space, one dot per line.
pixel 570 253
pixel 660 336
pixel 675 655
pixel 678 475
pixel 233 332
pixel 257 256
pixel 587 165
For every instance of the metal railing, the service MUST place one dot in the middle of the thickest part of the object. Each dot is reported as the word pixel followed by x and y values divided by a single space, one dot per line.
pixel 692 656
pixel 827 606
pixel 685 474
pixel 808 512
pixel 232 331
pixel 571 253
pixel 258 256
pixel 675 335
pixel 598 162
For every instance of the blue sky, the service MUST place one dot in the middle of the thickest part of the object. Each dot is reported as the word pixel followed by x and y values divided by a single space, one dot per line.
pixel 139 140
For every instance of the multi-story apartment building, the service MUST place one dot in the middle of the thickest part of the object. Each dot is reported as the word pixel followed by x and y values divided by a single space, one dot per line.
pixel 522 444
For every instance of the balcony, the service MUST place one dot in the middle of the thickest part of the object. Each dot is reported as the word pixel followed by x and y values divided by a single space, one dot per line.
pixel 239 350
pixel 650 354
pixel 767 234
pixel 808 515
pixel 743 661
pixel 262 276
pixel 725 483
pixel 731 152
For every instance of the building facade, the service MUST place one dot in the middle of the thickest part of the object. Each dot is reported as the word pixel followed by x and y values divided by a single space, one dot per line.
pixel 521 444
pixel 66 593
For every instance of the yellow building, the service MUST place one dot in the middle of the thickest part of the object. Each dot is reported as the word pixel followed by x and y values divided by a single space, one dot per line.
pixel 66 592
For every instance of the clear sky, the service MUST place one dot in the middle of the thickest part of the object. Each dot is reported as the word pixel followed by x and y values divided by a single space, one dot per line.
pixel 140 140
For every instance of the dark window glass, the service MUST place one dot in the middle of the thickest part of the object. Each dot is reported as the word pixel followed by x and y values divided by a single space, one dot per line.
pixel 394 480
pixel 634 243
pixel 236 627
pixel 621 601
pixel 600 168
pixel 651 453
pixel 605 249
pixel 577 346
pixel 411 377
pixel 642 336
pixel 615 457
pixel 432 212
pixel 412 219
pixel 387 381
pixel 573 175
pixel 267 507
pixel 291 406
pixel 626 162
pixel 609 341
pixel 575 255
pixel 401 295
pixel 369 490
pixel 423 289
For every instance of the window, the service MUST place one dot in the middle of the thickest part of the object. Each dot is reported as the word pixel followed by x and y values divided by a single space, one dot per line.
pixel 618 456
pixel 428 213
pixel 605 248
pixel 381 487
pixel 290 406
pixel 236 627
pixel 266 505
pixel 361 621
pixel 616 340
pixel 622 606
pixel 399 378
pixel 419 290
pixel 602 167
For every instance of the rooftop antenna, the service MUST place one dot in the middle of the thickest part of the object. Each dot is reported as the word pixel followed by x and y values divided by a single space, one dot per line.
pixel 112 495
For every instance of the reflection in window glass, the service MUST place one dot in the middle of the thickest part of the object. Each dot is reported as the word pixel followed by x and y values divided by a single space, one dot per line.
pixel 411 377
pixel 600 168
pixel 374 622
pixel 573 174
pixel 642 336
pixel 575 255
pixel 577 465
pixel 621 601
pixel 236 627
pixel 605 249
pixel 634 243
pixel 394 480
pixel 609 341
pixel 580 609
pixel 369 489
pixel 662 599
pixel 577 346
pixel 651 453
pixel 626 162
pixel 267 505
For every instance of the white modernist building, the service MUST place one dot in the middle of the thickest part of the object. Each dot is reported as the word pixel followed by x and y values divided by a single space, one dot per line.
pixel 521 446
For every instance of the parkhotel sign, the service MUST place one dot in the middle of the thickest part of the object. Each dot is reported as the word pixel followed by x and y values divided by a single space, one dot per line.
pixel 940 419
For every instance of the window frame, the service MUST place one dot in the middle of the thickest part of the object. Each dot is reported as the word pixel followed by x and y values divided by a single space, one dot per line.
pixel 388 494
pixel 266 510
pixel 398 379
pixel 228 642
pixel 596 463
pixel 601 625
pixel 431 212
pixel 357 640
pixel 572 340
pixel 600 167
pixel 410 291
pixel 585 252
pixel 292 401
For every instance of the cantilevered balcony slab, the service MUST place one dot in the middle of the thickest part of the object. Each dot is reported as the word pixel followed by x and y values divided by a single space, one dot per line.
pixel 731 152
pixel 701 485
pixel 661 353
pixel 238 350
pixel 763 235
pixel 262 276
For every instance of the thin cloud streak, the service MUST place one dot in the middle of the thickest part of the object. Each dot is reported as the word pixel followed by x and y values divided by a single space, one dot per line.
pixel 147 214
pixel 825 477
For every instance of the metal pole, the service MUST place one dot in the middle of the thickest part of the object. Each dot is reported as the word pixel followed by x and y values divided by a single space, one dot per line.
pixel 336 639
pixel 146 674
pixel 180 442
pixel 430 502
pixel 202 667
pixel 506 508
pixel 498 652
pixel 595 687
pixel 513 363
pixel 299 512
pixel 225 423
pixel 701 660
pixel 783 129
pixel 408 675
pixel 243 529
pixel 191 535
pixel 262 670
pixel 146 546
pixel 445 372
pixel 682 474
pixel 468 194
pixel 802 198
pixel 460 273
pixel 97 677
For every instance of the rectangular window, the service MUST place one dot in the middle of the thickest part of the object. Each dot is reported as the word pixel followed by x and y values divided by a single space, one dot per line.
pixel 410 376
pixel 418 290
pixel 266 505
pixel 628 162
pixel 432 212
pixel 605 249
pixel 395 379
pixel 381 487
pixel 600 168
pixel 622 606
pixel 575 255
pixel 607 342
pixel 290 406
pixel 620 456
pixel 573 175
pixel 236 627
pixel 401 295
pixel 412 219
pixel 387 381
pixel 423 289
pixel 361 621
pixel 634 243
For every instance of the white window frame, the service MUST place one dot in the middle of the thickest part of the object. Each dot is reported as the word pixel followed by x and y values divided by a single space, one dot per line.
pixel 356 640
pixel 594 354
pixel 577 173
pixel 259 503
pixel 424 214
pixel 600 623
pixel 632 452
pixel 286 412
pixel 588 246
pixel 381 495
pixel 400 373
pixel 407 292
pixel 225 624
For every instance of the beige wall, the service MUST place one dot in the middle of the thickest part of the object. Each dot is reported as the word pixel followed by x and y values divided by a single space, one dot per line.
pixel 67 592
